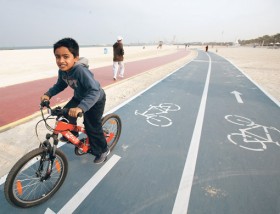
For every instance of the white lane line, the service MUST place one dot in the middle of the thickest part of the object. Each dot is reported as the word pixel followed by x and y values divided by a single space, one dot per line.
pixel 3 179
pixel 79 197
pixel 183 195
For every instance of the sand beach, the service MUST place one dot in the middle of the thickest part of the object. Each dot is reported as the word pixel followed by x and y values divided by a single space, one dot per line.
pixel 262 65
pixel 19 66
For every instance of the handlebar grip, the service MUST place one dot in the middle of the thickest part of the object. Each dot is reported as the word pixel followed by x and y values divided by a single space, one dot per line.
pixel 45 103
pixel 66 110
pixel 58 111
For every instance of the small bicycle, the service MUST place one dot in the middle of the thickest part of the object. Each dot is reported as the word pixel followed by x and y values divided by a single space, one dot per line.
pixel 253 136
pixel 154 114
pixel 39 174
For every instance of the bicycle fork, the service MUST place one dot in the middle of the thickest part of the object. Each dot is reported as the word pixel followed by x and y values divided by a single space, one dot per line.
pixel 48 155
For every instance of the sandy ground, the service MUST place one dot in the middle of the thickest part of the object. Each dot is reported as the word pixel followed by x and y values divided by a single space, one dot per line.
pixel 262 65
pixel 19 66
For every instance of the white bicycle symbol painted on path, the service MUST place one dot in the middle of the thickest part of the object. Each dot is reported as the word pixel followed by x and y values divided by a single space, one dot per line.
pixel 154 114
pixel 254 136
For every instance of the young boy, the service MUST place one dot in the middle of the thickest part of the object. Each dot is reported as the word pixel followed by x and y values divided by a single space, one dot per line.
pixel 88 98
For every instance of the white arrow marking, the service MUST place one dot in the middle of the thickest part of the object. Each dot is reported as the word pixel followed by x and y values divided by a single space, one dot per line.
pixel 80 196
pixel 237 96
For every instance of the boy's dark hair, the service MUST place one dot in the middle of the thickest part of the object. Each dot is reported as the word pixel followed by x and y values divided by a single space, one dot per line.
pixel 69 43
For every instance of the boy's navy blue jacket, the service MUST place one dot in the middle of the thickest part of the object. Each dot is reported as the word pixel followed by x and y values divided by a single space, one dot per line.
pixel 86 89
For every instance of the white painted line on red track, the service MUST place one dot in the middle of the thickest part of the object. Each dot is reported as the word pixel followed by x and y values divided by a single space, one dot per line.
pixel 183 195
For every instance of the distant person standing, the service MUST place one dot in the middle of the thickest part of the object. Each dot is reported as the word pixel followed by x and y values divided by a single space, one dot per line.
pixel 206 48
pixel 160 45
pixel 118 58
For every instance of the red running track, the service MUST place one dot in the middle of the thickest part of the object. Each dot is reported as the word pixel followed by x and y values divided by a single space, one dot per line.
pixel 22 100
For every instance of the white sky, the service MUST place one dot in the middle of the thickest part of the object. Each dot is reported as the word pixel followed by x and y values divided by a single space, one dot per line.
pixel 39 23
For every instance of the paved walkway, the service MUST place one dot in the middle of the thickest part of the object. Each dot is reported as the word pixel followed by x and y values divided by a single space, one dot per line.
pixel 22 100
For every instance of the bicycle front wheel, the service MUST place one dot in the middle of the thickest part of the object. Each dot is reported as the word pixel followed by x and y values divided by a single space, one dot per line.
pixel 35 178
pixel 239 120
pixel 249 143
pixel 160 121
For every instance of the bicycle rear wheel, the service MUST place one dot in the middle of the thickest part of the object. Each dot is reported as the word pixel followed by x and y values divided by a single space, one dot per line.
pixel 239 120
pixel 30 182
pixel 170 106
pixel 112 127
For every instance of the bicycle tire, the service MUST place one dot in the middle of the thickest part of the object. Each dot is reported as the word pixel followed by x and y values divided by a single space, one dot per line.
pixel 239 120
pixel 238 140
pixel 18 183
pixel 157 121
pixel 170 106
pixel 112 127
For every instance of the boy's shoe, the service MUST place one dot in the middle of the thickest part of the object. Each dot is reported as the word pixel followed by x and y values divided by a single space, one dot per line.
pixel 101 158
pixel 115 78
pixel 63 139
pixel 121 76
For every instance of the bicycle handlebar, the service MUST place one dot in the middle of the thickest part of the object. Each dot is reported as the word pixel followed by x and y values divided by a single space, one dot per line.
pixel 58 111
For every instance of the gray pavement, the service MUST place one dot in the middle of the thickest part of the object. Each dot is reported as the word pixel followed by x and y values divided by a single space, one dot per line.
pixel 203 140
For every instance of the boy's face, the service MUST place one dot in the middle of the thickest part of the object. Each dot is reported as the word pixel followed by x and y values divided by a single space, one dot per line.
pixel 65 60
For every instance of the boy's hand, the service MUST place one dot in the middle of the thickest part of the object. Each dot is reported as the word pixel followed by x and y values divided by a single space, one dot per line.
pixel 73 112
pixel 45 97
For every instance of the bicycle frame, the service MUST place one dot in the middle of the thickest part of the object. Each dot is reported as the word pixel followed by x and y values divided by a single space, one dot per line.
pixel 62 126
pixel 154 114
pixel 65 129
pixel 254 137
pixel 150 115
